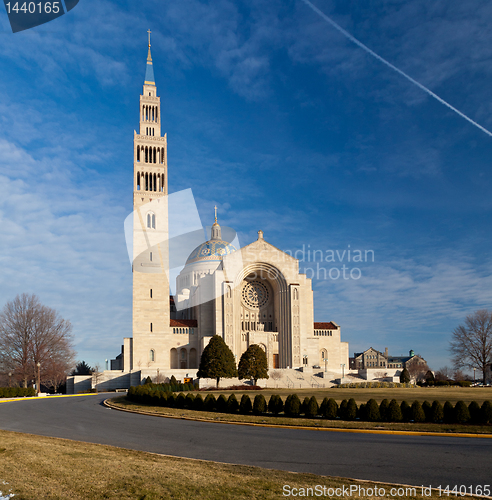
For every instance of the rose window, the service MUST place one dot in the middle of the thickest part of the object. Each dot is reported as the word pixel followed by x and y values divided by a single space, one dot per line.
pixel 255 294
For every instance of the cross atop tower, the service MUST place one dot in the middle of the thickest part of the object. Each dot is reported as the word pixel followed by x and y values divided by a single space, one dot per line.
pixel 215 213
pixel 149 32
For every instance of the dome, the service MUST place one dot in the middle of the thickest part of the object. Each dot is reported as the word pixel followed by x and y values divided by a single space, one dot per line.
pixel 212 250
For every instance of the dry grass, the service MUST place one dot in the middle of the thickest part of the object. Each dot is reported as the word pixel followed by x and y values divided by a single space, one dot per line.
pixel 46 468
pixel 318 423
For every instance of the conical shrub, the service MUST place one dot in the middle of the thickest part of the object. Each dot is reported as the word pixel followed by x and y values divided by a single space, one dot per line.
pixel 448 411
pixel 259 405
pixel 372 411
pixel 383 410
pixel 210 402
pixel 406 411
pixel 275 405
pixel 418 414
pixel 245 406
pixel 437 412
pixel 394 411
pixel 461 413
pixel 232 404
pixel 292 406
pixel 312 408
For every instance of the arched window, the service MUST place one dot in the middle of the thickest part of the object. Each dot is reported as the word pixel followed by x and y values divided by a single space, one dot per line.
pixel 146 154
pixel 138 181
pixel 152 355
pixel 138 153
pixel 151 327
pixel 150 220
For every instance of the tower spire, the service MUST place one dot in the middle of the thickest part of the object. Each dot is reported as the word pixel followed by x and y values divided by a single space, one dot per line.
pixel 216 233
pixel 149 73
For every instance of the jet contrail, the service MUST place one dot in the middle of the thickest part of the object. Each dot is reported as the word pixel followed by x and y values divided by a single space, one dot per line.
pixel 384 61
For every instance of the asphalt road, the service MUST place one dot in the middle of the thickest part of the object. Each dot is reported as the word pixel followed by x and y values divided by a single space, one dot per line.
pixel 396 459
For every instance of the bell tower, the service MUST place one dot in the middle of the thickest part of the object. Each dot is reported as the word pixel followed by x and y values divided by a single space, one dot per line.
pixel 151 310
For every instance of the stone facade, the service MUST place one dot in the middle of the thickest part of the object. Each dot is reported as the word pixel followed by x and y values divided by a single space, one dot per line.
pixel 249 295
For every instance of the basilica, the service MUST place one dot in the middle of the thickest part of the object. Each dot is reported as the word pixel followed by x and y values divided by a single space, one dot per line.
pixel 249 295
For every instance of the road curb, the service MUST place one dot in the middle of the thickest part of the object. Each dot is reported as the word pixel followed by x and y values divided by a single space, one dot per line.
pixel 45 398
pixel 107 403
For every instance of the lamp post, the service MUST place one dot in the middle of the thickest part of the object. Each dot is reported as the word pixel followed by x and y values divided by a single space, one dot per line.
pixel 326 364
pixel 39 377
pixel 474 376
pixel 10 379
pixel 343 370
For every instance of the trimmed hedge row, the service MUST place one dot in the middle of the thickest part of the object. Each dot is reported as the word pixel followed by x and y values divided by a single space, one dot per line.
pixel 386 411
pixel 16 392
pixel 374 385
pixel 167 387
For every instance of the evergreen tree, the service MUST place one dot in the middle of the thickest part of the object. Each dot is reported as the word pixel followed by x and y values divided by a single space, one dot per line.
pixel 245 405
pixel 253 364
pixel 437 412
pixel 448 412
pixel 311 409
pixel 394 411
pixel 404 376
pixel 304 404
pixel 406 411
pixel 292 405
pixel 475 412
pixel 232 404
pixel 372 411
pixel 329 409
pixel 198 403
pixel 461 413
pixel 209 403
pixel 429 378
pixel 275 405
pixel 383 410
pixel 221 404
pixel 427 407
pixel 351 411
pixel 217 361
pixel 486 412
pixel 82 368
pixel 259 405
pixel 418 414
pixel 342 410
pixel 361 412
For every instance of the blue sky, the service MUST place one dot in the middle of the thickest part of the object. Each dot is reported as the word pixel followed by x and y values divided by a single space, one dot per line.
pixel 281 121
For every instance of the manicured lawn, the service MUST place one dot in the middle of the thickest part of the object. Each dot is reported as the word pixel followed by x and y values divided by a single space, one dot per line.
pixel 35 468
pixel 442 394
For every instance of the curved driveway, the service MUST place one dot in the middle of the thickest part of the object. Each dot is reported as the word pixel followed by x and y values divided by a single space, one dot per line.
pixel 412 460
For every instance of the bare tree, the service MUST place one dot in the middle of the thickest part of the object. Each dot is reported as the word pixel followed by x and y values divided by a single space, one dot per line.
pixel 471 343
pixel 31 333
pixel 444 373
pixel 96 375
pixel 417 368
pixel 56 373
